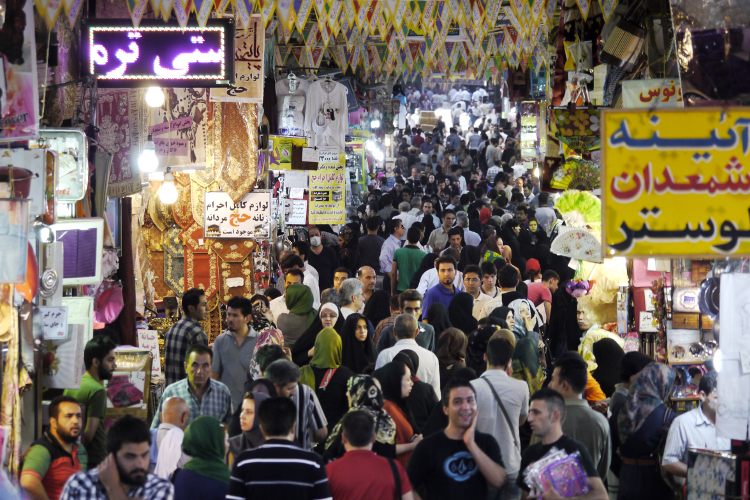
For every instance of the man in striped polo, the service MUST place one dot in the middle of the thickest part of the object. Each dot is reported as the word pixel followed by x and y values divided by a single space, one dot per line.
pixel 278 469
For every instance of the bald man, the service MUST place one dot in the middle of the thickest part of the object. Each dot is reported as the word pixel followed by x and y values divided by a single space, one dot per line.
pixel 174 416
pixel 367 276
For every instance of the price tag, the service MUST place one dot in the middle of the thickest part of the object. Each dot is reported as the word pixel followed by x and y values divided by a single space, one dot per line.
pixel 55 322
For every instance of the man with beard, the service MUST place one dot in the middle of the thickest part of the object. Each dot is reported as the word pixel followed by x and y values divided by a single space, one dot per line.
pixel 123 474
pixel 204 395
pixel 458 462
pixel 53 458
pixel 99 359
pixel 233 349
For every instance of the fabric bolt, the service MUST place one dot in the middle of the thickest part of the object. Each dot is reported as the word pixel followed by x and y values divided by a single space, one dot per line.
pixel 216 402
pixel 232 362
pixel 181 209
pixel 235 145
pixel 88 486
pixel 177 340
pixel 174 273
pixel 202 271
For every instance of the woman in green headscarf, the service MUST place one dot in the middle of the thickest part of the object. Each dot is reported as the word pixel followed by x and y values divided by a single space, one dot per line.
pixel 299 302
pixel 327 377
pixel 206 475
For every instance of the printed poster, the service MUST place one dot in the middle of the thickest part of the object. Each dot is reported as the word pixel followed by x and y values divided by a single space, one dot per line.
pixel 225 219
pixel 656 93
pixel 19 97
pixel 327 204
pixel 249 48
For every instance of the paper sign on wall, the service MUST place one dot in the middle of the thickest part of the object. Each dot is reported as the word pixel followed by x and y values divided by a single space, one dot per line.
pixel 55 322
pixel 646 323
pixel 149 340
pixel 225 219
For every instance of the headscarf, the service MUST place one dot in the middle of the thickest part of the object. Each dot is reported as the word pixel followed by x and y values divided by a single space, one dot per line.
pixel 501 313
pixel 591 337
pixel 608 354
pixel 306 341
pixel 364 394
pixel 526 242
pixel 327 355
pixel 474 223
pixel 389 376
pixel 299 300
pixel 356 355
pixel 519 329
pixel 459 312
pixel 378 306
pixel 451 347
pixel 526 364
pixel 484 215
pixel 506 334
pixel 204 441
pixel 253 438
pixel 267 334
pixel 649 389
pixel 437 318
pixel 478 341
pixel 545 217
pixel 346 235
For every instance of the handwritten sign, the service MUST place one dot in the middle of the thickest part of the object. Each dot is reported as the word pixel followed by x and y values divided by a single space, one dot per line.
pixel 55 322
pixel 327 185
pixel 171 147
pixel 225 219
pixel 149 340
pixel 171 126
pixel 675 182
pixel 652 94
pixel 249 46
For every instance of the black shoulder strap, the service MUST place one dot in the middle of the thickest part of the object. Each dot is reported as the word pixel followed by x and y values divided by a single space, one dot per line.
pixel 396 477
pixel 505 413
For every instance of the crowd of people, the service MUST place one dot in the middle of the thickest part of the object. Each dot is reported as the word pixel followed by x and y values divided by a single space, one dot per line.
pixel 425 350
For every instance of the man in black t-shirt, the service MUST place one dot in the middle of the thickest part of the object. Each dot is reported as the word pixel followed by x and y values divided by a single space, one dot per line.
pixel 459 462
pixel 546 413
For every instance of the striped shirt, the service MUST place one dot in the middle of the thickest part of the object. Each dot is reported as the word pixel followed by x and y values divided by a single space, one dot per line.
pixel 87 486
pixel 177 340
pixel 310 416
pixel 692 430
pixel 281 471
pixel 216 402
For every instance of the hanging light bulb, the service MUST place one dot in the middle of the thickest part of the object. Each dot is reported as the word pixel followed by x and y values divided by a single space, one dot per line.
pixel 375 124
pixel 154 97
pixel 167 192
pixel 536 172
pixel 148 161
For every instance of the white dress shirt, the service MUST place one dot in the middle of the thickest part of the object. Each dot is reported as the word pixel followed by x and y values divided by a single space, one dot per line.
pixel 278 307
pixel 345 311
pixel 312 283
pixel 429 368
pixel 472 238
pixel 430 278
pixel 692 430
pixel 170 452
pixel 408 220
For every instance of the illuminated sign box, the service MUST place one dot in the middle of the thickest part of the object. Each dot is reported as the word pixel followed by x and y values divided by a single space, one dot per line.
pixel 159 53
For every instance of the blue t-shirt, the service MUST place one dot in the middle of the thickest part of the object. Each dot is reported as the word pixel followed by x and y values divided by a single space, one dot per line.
pixel 437 293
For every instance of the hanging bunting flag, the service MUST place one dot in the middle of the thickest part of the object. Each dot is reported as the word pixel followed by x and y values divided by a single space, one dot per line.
pixel 402 35
pixel 325 34
pixel 512 18
pixel 351 37
pixel 373 13
pixel 360 7
pixel 271 27
pixel 135 8
pixel 220 6
pixel 320 10
pixel 607 8
pixel 303 12
pixel 351 14
pixel 310 34
pixel 203 10
pixel 465 12
pixel 454 7
pixel 478 14
pixel 354 62
pixel 316 55
pixel 240 12
pixel 429 8
pixel 584 6
pixel 166 9
pixel 297 53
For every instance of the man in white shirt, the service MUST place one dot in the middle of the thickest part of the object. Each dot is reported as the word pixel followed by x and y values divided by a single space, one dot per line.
pixel 405 330
pixel 278 305
pixel 695 429
pixel 295 262
pixel 427 211
pixel 471 238
pixel 405 217
pixel 430 278
pixel 473 283
pixel 351 297
pixel 495 388
pixel 452 93
pixel 175 416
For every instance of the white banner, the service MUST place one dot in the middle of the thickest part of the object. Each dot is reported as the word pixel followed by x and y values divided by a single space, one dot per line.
pixel 654 93
pixel 225 219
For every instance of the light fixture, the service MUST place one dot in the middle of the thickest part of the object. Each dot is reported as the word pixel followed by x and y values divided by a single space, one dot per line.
pixel 717 360
pixel 167 192
pixel 148 161
pixel 536 172
pixel 44 234
pixel 387 140
pixel 370 145
pixel 154 97
pixel 375 124
pixel 378 155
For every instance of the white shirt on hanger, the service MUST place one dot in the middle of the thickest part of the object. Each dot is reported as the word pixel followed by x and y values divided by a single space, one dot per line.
pixel 327 114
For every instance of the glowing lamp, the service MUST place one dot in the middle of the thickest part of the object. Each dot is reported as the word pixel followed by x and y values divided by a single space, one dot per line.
pixel 168 193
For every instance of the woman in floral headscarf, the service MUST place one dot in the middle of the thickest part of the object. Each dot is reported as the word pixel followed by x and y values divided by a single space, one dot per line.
pixel 364 394
pixel 641 426
pixel 267 332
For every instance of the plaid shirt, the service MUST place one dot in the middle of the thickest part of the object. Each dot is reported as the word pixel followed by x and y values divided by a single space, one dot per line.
pixel 492 173
pixel 216 402
pixel 382 326
pixel 87 486
pixel 177 340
